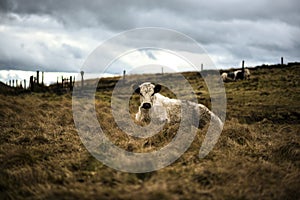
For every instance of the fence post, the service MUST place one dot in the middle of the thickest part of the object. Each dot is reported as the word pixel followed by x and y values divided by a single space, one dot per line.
pixel 281 61
pixel 43 78
pixel 31 84
pixel 10 83
pixel 243 69
pixel 24 83
pixel 13 82
pixel 16 83
pixel 71 83
pixel 124 73
pixel 62 81
pixel 37 76
pixel 82 73
pixel 57 85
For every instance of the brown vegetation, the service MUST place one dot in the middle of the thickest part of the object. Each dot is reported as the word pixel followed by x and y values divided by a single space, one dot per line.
pixel 256 157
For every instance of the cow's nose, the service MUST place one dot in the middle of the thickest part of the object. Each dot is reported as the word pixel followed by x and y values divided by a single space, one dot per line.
pixel 146 105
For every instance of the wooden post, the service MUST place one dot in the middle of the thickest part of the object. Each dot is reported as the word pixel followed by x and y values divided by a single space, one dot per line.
pixel 57 85
pixel 243 69
pixel 162 70
pixel 16 83
pixel 37 76
pixel 43 78
pixel 82 73
pixel 24 83
pixel 71 83
pixel 31 84
pixel 62 81
pixel 10 83
pixel 201 66
pixel 124 73
pixel 281 61
pixel 13 83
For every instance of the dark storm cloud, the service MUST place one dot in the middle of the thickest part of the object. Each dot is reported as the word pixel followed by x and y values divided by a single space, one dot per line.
pixel 125 14
pixel 55 33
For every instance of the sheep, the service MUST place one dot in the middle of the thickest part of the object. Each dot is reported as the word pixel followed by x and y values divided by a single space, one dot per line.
pixel 155 105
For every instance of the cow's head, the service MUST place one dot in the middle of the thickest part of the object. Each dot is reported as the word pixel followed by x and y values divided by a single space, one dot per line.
pixel 247 73
pixel 146 92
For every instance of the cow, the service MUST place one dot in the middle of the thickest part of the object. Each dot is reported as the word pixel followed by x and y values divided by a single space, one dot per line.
pixel 232 75
pixel 228 76
pixel 240 76
pixel 236 75
pixel 224 76
pixel 247 74
pixel 167 109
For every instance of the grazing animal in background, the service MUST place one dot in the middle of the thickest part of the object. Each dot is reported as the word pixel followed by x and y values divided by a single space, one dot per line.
pixel 166 109
pixel 240 76
pixel 224 76
pixel 247 74
pixel 232 75
pixel 236 75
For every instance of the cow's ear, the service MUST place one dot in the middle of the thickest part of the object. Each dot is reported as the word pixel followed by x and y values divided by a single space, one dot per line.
pixel 136 88
pixel 157 88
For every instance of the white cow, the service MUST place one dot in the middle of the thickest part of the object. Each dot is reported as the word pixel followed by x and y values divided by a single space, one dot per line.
pixel 166 109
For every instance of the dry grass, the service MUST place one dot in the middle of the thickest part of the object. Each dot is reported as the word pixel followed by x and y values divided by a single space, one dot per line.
pixel 256 157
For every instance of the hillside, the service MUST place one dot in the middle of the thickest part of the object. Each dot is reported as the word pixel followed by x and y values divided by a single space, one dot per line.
pixel 256 157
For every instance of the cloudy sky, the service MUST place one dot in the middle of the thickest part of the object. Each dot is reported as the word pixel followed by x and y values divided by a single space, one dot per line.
pixel 58 35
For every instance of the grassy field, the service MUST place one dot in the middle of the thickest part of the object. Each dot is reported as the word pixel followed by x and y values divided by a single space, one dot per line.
pixel 256 157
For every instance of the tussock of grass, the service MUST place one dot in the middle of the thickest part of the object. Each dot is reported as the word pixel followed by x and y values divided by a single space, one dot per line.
pixel 289 151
